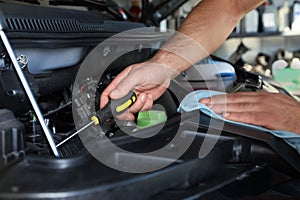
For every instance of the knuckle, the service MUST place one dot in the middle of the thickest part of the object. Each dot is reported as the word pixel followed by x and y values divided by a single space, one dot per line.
pixel 148 105
pixel 243 106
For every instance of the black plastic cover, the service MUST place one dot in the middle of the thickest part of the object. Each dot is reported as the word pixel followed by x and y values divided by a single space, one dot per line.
pixel 40 19
pixel 11 137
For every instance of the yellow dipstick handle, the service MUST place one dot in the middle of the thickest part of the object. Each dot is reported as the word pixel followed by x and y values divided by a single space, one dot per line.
pixel 95 120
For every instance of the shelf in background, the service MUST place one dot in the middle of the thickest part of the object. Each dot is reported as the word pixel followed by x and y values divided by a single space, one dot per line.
pixel 265 34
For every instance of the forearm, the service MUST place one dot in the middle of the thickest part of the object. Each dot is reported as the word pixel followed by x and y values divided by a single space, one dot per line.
pixel 203 31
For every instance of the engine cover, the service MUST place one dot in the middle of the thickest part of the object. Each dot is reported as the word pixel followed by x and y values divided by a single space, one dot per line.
pixel 11 137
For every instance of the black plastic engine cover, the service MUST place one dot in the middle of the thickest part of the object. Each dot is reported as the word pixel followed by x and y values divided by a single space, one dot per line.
pixel 12 94
pixel 11 137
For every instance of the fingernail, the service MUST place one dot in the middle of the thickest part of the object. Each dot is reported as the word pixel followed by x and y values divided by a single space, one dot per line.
pixel 150 96
pixel 115 93
pixel 205 101
pixel 226 115
pixel 143 96
pixel 127 119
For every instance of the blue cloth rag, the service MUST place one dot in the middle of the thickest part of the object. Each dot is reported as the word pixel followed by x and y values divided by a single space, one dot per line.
pixel 191 102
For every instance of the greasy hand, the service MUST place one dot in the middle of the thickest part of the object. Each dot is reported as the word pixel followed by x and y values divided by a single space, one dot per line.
pixel 149 80
pixel 273 111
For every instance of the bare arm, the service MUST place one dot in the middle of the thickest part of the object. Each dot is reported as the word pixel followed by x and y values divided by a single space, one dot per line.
pixel 209 24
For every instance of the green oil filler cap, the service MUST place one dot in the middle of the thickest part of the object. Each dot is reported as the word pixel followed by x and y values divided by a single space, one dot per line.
pixel 151 118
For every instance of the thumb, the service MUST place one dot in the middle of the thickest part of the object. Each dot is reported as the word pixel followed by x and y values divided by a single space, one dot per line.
pixel 121 89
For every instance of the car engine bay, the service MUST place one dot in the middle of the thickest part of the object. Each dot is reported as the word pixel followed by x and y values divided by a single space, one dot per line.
pixel 51 44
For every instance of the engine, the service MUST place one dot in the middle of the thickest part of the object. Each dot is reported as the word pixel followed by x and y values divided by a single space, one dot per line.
pixel 68 57
pixel 50 44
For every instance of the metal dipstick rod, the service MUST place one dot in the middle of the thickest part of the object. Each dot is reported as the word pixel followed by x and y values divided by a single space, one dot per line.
pixel 76 133
pixel 28 91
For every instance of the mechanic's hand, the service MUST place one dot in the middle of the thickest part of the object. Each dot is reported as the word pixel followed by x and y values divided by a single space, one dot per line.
pixel 273 111
pixel 148 79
